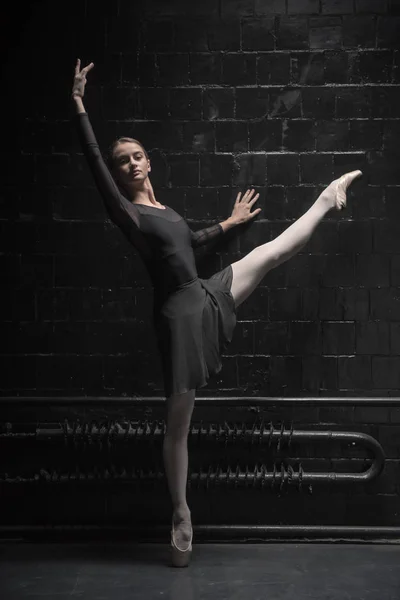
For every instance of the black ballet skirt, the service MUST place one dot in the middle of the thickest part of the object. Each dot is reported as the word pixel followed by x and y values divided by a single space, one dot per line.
pixel 194 318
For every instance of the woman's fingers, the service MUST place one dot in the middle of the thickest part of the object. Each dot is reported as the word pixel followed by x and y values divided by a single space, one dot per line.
pixel 247 197
pixel 256 197
pixel 248 194
pixel 85 70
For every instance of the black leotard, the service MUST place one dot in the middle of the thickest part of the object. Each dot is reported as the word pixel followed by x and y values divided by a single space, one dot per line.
pixel 194 318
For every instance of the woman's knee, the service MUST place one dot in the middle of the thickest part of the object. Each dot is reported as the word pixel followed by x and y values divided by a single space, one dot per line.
pixel 179 414
pixel 258 262
pixel 269 255
pixel 177 432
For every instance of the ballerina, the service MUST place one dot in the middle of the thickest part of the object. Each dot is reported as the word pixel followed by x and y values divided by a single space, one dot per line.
pixel 194 318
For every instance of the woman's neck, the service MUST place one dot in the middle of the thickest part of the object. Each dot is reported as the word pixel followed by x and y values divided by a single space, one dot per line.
pixel 144 195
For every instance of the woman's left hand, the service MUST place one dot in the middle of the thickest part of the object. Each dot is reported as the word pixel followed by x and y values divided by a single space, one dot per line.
pixel 78 88
pixel 241 212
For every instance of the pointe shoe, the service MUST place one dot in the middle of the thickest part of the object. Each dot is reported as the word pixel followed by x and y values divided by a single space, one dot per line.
pixel 180 558
pixel 341 187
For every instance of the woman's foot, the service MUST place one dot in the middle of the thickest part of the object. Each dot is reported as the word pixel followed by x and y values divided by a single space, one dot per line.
pixel 335 193
pixel 182 524
pixel 181 538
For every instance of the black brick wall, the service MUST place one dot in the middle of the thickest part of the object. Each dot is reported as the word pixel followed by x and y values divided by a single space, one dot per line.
pixel 282 95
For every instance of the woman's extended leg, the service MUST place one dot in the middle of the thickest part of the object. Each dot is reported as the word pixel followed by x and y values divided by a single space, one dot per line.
pixel 175 453
pixel 250 270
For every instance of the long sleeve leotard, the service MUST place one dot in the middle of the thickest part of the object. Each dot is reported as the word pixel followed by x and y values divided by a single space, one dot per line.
pixel 164 243
pixel 194 318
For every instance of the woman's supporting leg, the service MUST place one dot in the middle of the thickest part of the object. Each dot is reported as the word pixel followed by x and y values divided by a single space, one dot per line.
pixel 250 270
pixel 175 453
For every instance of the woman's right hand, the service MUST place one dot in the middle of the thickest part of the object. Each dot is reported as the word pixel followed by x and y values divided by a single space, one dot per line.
pixel 78 88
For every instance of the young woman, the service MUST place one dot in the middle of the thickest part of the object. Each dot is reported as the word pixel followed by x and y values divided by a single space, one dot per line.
pixel 194 318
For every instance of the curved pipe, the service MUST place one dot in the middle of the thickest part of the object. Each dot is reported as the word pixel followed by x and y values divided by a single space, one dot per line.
pixel 362 439
pixel 281 476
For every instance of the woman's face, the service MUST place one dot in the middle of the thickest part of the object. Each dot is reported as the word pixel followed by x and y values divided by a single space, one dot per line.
pixel 130 163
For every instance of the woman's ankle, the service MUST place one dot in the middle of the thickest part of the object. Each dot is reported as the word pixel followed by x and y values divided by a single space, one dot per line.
pixel 324 203
pixel 181 513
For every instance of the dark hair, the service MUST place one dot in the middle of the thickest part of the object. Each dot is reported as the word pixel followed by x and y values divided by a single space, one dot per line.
pixel 122 140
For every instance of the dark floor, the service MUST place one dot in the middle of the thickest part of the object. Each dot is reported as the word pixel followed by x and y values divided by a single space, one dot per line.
pixel 218 571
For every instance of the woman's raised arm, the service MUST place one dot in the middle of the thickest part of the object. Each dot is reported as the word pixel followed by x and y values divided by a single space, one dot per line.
pixel 121 211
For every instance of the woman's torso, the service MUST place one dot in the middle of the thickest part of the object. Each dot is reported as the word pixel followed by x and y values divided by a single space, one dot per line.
pixel 169 257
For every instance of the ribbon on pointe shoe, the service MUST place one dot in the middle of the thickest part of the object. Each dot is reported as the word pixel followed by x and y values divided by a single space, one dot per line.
pixel 342 184
pixel 174 544
pixel 180 558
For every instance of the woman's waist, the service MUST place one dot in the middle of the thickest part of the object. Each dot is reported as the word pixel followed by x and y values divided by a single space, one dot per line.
pixel 172 275
pixel 182 295
pixel 172 284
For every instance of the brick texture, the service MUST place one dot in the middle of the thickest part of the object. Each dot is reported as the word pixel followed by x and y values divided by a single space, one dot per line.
pixel 283 96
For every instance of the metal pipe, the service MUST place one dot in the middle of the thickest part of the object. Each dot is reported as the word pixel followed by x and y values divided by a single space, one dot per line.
pixel 260 477
pixel 212 533
pixel 112 401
